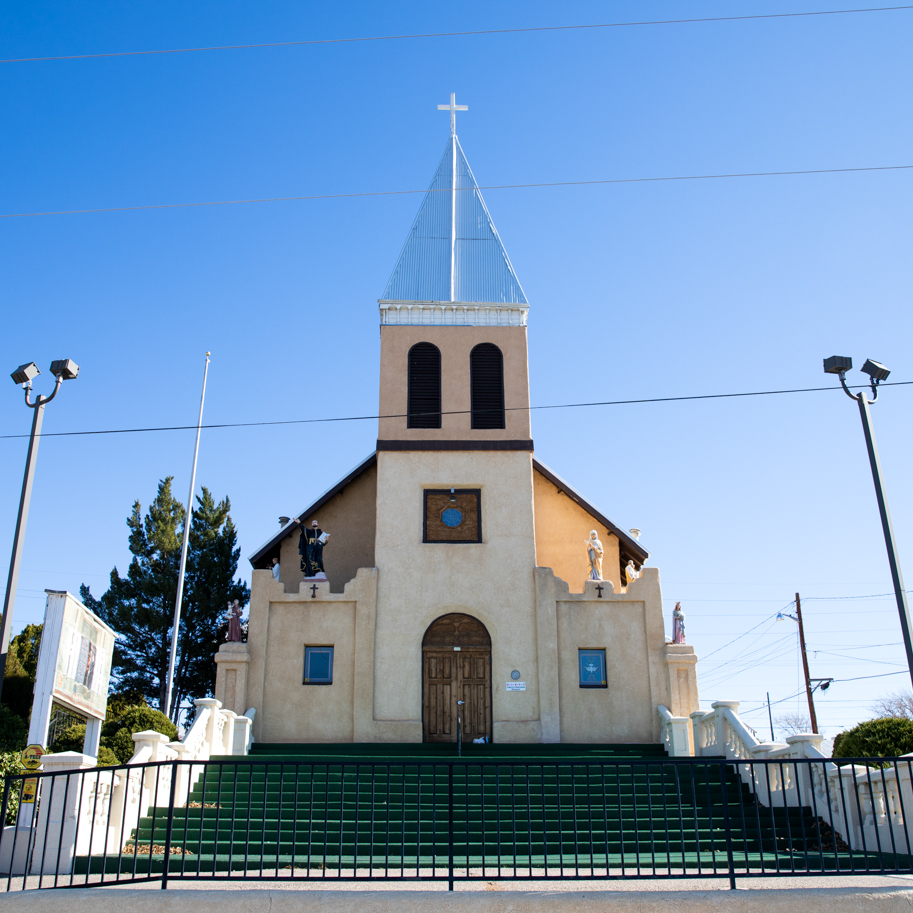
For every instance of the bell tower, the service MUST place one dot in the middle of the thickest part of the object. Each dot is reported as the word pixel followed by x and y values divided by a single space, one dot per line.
pixel 455 524
pixel 453 325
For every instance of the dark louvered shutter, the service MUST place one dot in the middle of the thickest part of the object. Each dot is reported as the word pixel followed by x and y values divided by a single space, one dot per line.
pixel 424 409
pixel 486 365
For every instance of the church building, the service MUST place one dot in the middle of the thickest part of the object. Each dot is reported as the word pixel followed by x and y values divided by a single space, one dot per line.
pixel 481 609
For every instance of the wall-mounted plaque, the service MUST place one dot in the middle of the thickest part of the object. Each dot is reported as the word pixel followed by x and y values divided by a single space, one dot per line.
pixel 452 516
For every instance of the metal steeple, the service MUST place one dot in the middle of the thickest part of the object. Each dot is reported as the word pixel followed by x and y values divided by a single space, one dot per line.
pixel 453 252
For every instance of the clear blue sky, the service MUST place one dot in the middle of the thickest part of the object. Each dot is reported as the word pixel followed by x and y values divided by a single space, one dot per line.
pixel 636 290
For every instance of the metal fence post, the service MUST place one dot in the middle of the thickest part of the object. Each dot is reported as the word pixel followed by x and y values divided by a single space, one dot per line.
pixel 727 825
pixel 169 825
pixel 450 821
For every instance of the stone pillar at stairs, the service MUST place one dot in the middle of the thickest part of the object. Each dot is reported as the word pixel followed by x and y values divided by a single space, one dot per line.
pixel 232 663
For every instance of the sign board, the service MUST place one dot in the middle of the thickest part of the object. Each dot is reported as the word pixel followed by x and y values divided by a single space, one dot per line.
pixel 31 760
pixel 516 686
pixel 74 665
pixel 31 757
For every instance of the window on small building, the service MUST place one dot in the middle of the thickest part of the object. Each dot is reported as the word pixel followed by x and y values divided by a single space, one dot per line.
pixel 424 406
pixel 591 664
pixel 318 666
pixel 486 369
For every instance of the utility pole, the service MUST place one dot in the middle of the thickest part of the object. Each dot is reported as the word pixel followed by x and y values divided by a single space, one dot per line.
pixel 770 719
pixel 808 683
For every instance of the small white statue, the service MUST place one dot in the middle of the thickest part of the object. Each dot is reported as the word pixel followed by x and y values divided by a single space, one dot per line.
pixel 631 572
pixel 678 624
pixel 594 554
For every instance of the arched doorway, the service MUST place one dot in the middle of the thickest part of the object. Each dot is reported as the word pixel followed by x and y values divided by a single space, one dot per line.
pixel 456 666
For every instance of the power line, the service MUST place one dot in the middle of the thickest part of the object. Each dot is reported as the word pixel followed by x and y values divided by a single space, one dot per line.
pixel 874 596
pixel 363 418
pixel 755 628
pixel 541 28
pixel 792 696
pixel 388 193
pixel 882 675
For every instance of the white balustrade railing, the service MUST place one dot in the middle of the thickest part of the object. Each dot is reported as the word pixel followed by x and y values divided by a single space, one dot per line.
pixel 868 807
pixel 98 810
pixel 675 733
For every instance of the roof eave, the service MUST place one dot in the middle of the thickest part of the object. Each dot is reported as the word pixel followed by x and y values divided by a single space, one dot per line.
pixel 631 545
pixel 286 530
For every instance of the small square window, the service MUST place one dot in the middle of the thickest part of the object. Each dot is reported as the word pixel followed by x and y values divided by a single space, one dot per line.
pixel 591 664
pixel 318 666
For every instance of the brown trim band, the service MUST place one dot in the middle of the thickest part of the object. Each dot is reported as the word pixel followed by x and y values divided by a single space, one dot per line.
pixel 455 445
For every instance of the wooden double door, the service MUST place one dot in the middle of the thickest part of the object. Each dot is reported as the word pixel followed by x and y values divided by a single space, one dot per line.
pixel 453 672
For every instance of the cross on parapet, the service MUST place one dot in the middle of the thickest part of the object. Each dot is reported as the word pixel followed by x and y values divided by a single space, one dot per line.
pixel 453 107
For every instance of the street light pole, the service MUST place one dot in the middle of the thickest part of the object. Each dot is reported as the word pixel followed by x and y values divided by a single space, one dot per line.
pixel 840 365
pixel 63 370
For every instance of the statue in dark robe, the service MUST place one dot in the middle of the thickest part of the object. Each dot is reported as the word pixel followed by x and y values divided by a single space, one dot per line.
pixel 310 548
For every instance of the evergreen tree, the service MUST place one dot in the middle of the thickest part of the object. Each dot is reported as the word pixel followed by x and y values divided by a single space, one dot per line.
pixel 21 666
pixel 140 606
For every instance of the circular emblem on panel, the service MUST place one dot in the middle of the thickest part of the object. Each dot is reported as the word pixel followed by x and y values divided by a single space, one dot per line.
pixel 452 517
pixel 515 674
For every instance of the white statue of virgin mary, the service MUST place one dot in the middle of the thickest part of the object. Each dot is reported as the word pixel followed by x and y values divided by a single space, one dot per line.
pixel 594 553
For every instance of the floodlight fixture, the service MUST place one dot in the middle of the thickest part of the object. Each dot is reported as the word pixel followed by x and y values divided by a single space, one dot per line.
pixel 838 364
pixel 876 371
pixel 25 373
pixel 65 368
pixel 821 684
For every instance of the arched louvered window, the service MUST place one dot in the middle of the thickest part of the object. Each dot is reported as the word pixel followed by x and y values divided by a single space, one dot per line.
pixel 486 368
pixel 424 409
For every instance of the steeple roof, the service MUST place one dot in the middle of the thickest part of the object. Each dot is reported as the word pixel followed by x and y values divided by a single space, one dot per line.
pixel 453 252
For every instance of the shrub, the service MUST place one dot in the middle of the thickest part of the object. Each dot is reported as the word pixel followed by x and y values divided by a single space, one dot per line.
pixel 121 701
pixel 10 764
pixel 118 734
pixel 14 730
pixel 887 737
pixel 106 757
pixel 70 739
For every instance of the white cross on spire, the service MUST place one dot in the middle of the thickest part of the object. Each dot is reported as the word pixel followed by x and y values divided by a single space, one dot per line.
pixel 453 107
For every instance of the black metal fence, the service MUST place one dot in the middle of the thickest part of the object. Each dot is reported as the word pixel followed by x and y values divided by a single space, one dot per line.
pixel 457 820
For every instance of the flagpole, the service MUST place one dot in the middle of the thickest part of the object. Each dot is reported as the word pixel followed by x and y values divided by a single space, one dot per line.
pixel 187 515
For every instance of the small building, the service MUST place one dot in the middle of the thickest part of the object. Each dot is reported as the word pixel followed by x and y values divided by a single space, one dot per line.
pixel 458 584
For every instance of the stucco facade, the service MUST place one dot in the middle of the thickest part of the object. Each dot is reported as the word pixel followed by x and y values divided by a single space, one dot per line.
pixel 520 571
pixel 562 525
pixel 376 693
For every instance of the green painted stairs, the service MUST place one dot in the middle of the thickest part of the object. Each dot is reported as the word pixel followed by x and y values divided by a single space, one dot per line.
pixel 349 810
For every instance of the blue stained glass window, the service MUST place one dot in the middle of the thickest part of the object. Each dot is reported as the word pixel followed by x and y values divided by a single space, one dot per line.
pixel 318 666
pixel 452 517
pixel 592 668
